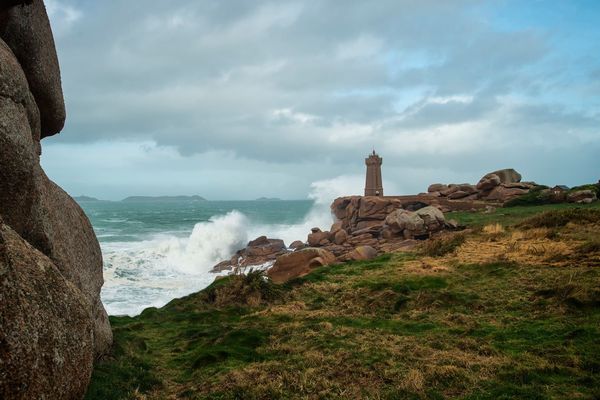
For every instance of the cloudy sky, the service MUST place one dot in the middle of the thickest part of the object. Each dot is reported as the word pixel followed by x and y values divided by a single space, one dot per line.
pixel 241 99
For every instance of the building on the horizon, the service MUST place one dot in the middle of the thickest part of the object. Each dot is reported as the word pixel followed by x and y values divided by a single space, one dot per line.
pixel 373 185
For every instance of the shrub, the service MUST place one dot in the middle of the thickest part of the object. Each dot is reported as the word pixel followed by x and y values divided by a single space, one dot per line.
pixel 593 187
pixel 252 289
pixel 535 197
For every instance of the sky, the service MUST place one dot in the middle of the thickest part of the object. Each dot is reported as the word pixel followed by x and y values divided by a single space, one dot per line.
pixel 241 99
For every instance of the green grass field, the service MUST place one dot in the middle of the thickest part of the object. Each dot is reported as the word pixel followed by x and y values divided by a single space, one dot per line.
pixel 508 312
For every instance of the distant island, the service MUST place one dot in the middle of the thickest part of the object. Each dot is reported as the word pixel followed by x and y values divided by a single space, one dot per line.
pixel 164 198
pixel 268 199
pixel 85 198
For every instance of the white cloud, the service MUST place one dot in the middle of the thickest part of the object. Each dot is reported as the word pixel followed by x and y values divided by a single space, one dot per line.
pixel 287 114
pixel 364 46
pixel 450 99
pixel 62 16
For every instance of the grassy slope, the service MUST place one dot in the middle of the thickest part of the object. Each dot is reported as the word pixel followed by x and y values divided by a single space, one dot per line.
pixel 510 314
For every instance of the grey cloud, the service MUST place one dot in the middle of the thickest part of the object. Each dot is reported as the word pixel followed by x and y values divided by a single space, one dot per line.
pixel 211 75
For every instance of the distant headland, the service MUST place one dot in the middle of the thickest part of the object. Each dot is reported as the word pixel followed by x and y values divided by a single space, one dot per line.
pixel 85 198
pixel 268 199
pixel 164 198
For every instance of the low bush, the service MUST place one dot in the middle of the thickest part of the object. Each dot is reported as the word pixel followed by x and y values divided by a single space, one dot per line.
pixel 251 289
pixel 535 197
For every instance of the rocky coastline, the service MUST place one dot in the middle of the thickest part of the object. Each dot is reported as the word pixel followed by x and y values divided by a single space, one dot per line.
pixel 367 226
pixel 53 325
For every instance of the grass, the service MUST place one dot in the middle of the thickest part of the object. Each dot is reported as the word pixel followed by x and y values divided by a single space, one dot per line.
pixel 560 218
pixel 443 245
pixel 513 215
pixel 509 311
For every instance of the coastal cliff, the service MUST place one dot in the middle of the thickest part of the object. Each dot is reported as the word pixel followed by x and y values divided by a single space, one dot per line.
pixel 52 322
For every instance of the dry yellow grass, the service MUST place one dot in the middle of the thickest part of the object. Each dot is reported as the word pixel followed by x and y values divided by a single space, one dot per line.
pixel 493 229
pixel 517 247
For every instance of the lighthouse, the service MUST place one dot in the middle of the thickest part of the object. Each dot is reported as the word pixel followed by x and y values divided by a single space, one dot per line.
pixel 373 185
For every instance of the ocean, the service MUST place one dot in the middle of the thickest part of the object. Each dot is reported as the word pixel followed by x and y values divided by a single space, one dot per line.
pixel 160 250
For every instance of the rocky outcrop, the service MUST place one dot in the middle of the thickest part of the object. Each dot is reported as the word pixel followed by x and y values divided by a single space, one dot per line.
pixel 508 175
pixel 488 182
pixel 356 213
pixel 46 335
pixel 297 245
pixel 503 193
pixel 420 223
pixel 436 187
pixel 340 237
pixel 40 212
pixel 299 263
pixel 401 220
pixel 582 197
pixel 497 187
pixel 502 185
pixel 259 252
pixel 366 230
pixel 385 222
pixel 318 237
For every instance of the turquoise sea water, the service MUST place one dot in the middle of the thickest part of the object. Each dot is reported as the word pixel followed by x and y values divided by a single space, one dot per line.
pixel 156 251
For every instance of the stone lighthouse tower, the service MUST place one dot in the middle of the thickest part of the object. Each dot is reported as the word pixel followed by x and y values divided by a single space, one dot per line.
pixel 373 185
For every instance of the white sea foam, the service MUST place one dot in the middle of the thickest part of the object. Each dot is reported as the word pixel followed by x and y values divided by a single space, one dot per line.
pixel 154 271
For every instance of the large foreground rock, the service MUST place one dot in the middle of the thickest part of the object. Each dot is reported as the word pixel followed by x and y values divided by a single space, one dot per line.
pixel 299 263
pixel 46 335
pixel 27 32
pixel 36 208
pixel 19 125
pixel 44 217
pixel 65 234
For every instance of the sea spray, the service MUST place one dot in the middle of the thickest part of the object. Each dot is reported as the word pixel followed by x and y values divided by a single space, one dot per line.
pixel 169 249
pixel 322 194
pixel 209 243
